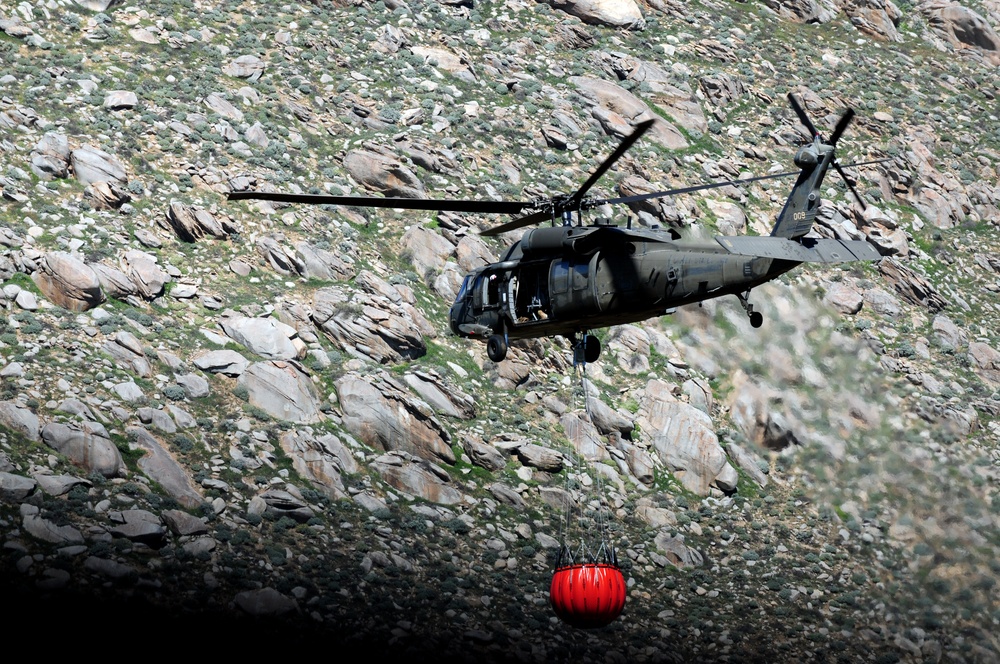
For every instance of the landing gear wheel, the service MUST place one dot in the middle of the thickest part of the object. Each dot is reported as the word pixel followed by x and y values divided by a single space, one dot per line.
pixel 591 348
pixel 756 319
pixel 496 347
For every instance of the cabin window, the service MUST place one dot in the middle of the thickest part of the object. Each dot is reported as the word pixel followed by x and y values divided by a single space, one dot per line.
pixel 566 275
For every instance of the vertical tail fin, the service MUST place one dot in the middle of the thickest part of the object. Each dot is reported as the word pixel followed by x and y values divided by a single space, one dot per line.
pixel 796 218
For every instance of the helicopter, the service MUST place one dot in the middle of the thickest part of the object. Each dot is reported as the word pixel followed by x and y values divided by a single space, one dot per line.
pixel 567 279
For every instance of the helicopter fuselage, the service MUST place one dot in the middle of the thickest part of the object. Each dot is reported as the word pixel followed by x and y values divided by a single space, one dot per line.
pixel 568 280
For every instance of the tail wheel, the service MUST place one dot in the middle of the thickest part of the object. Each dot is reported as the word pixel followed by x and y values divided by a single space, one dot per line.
pixel 496 348
pixel 591 348
pixel 756 319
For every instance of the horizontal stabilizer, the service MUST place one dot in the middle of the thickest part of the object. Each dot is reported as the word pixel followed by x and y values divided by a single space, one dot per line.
pixel 803 250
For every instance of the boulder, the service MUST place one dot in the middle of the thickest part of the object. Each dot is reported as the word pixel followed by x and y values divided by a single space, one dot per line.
pixel 21 420
pixel 223 107
pixel 374 323
pixel 442 396
pixel 91 164
pixel 50 158
pixel 161 467
pixel 87 445
pixel 618 110
pixel 317 263
pixel 192 224
pixel 226 362
pixel 962 27
pixel 68 282
pixel 117 100
pixel 383 173
pixel 148 277
pixel 611 13
pixel 321 461
pixel 264 603
pixel 245 66
pixel 267 337
pixel 15 488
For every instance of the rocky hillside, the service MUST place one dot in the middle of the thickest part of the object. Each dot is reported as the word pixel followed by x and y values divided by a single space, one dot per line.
pixel 252 415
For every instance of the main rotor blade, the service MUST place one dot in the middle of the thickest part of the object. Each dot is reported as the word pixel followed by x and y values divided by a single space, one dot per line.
pixel 685 190
pixel 483 207
pixel 533 218
pixel 803 118
pixel 845 120
pixel 640 129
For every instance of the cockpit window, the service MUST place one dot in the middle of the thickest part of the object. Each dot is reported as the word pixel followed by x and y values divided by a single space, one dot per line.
pixel 464 290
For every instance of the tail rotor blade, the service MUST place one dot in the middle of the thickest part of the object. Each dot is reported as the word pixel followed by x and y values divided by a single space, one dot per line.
pixel 849 185
pixel 803 118
pixel 845 120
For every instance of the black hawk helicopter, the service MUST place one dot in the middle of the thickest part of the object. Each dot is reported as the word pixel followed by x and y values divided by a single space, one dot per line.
pixel 571 278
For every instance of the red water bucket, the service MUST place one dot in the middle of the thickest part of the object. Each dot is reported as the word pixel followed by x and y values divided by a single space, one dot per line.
pixel 588 595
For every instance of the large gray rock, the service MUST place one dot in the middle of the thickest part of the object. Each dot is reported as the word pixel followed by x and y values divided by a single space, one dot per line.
pixel 375 323
pixel 68 282
pixel 15 488
pixel 264 603
pixel 611 13
pixel 85 444
pixel 21 420
pixel 283 391
pixel 245 66
pixel 443 397
pixel 226 362
pixel 161 467
pixel 148 278
pixel 267 337
pixel 381 413
pixel 418 478
pixel 383 173
pixel 114 282
pixel 962 27
pixel 223 107
pixel 618 111
pixel 50 158
pixel 139 526
pixel 317 263
pixel 193 223
pixel 319 460
pixel 92 164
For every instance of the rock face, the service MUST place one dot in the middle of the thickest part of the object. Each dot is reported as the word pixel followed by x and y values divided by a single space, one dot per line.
pixel 282 390
pixel 684 439
pixel 962 27
pixel 68 282
pixel 377 322
pixel 383 415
